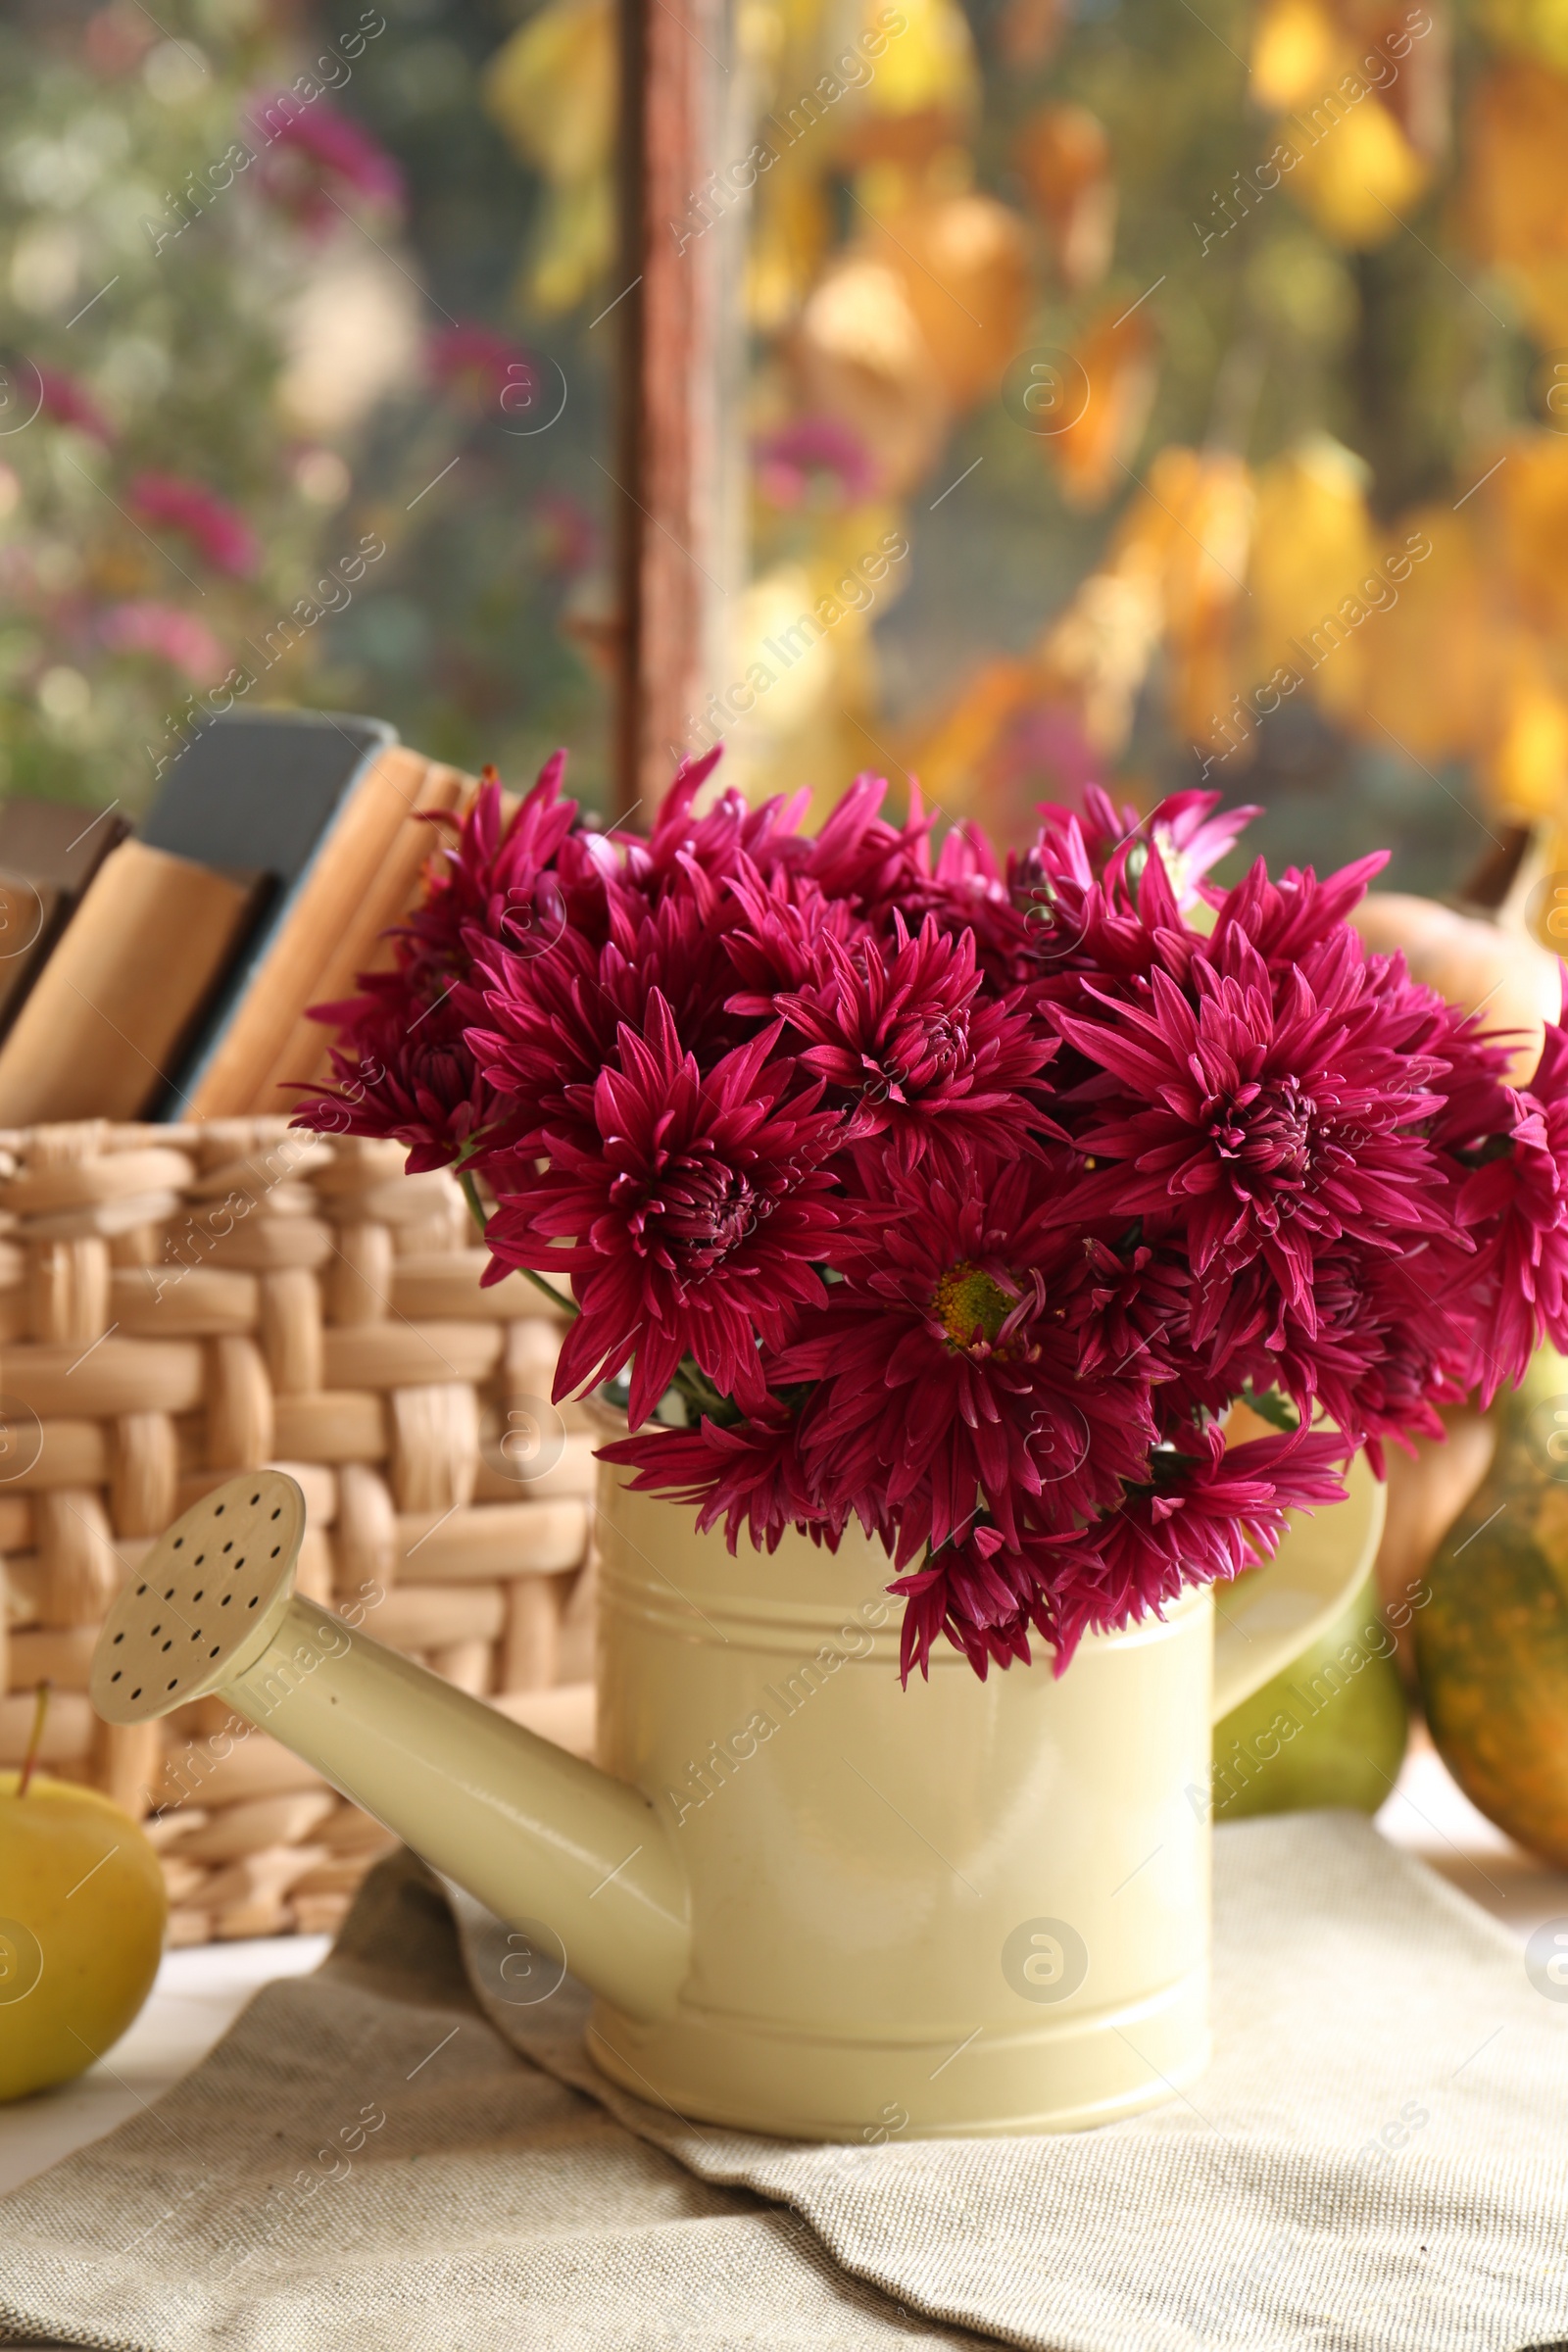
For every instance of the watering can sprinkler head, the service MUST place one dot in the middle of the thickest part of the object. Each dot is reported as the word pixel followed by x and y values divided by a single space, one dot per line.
pixel 533 1833
pixel 207 1601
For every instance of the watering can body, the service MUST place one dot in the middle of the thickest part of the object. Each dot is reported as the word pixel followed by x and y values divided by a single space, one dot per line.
pixel 808 1901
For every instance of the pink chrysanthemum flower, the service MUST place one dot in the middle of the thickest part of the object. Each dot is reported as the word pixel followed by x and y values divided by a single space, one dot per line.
pixel 950 1371
pixel 408 1074
pixel 404 1063
pixel 1265 1108
pixel 985 1597
pixel 860 857
pixel 552 1021
pixel 1520 1199
pixel 899 1031
pixel 690 1215
pixel 961 1200
pixel 1199 1519
pixel 1286 917
pixel 749 1477
pixel 1190 832
pixel 494 883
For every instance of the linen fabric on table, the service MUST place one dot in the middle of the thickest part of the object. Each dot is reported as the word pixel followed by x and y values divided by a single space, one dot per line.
pixel 513 2198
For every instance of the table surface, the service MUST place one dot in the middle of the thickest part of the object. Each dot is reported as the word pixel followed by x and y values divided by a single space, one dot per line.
pixel 199 1993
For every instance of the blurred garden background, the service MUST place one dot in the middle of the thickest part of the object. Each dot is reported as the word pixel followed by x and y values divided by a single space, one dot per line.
pixel 1208 364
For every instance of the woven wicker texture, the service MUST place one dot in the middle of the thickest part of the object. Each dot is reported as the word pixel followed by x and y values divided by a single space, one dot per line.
pixel 178 1303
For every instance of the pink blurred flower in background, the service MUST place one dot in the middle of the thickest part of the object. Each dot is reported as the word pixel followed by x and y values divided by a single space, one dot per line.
pixel 166 634
pixel 1042 754
pixel 215 530
pixel 67 402
pixel 315 155
pixel 483 365
pixel 791 461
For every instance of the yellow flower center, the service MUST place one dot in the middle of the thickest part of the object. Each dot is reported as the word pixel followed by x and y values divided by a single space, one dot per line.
pixel 970 1306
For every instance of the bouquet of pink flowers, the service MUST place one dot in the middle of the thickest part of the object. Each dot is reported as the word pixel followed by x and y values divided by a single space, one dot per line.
pixel 961 1196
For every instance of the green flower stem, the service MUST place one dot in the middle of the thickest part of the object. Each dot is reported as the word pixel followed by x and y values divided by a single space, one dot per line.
pixel 555 1298
pixel 702 1396
pixel 470 1192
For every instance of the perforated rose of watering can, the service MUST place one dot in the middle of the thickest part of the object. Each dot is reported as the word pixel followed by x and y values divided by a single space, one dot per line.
pixel 808 1901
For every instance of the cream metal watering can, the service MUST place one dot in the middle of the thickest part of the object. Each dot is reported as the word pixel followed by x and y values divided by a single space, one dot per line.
pixel 808 1901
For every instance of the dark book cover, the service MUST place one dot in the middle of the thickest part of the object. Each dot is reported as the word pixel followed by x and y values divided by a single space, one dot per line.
pixel 259 792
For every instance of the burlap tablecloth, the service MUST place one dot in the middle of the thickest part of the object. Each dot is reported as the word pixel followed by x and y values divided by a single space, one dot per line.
pixel 1378 2158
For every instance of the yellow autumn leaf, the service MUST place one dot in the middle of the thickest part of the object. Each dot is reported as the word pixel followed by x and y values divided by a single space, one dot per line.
pixel 860 353
pixel 1095 656
pixel 1526 505
pixel 792 229
pixel 1313 547
pixel 1431 680
pixel 1210 498
pixel 552 90
pixel 1537 28
pixel 780 634
pixel 965 265
pixel 1514 198
pixel 1296 45
pixel 1108 410
pixel 1064 158
pixel 949 752
pixel 1151 519
pixel 574 244
pixel 1526 765
pixel 552 87
pixel 930 66
pixel 1360 176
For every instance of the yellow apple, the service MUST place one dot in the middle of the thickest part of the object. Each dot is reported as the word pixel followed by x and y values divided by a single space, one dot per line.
pixel 81 1928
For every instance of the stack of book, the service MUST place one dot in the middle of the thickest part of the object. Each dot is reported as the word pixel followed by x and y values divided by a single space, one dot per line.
pixel 168 974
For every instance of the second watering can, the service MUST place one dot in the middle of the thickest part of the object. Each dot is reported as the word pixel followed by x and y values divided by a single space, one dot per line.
pixel 808 1901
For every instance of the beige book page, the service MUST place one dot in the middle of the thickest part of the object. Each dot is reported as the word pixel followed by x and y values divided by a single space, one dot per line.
pixel 102 1030
pixel 363 946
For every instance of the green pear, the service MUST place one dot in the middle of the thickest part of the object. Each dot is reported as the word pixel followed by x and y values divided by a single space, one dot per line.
pixel 1330 1730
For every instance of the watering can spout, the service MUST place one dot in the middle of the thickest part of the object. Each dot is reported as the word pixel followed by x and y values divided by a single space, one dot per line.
pixel 537 1834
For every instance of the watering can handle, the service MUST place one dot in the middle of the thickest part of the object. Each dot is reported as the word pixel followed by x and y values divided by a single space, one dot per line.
pixel 1261 1624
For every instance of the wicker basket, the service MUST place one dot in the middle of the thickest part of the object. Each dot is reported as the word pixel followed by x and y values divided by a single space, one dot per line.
pixel 178 1303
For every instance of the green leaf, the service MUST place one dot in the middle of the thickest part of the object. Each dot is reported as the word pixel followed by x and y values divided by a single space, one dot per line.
pixel 1274 1408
